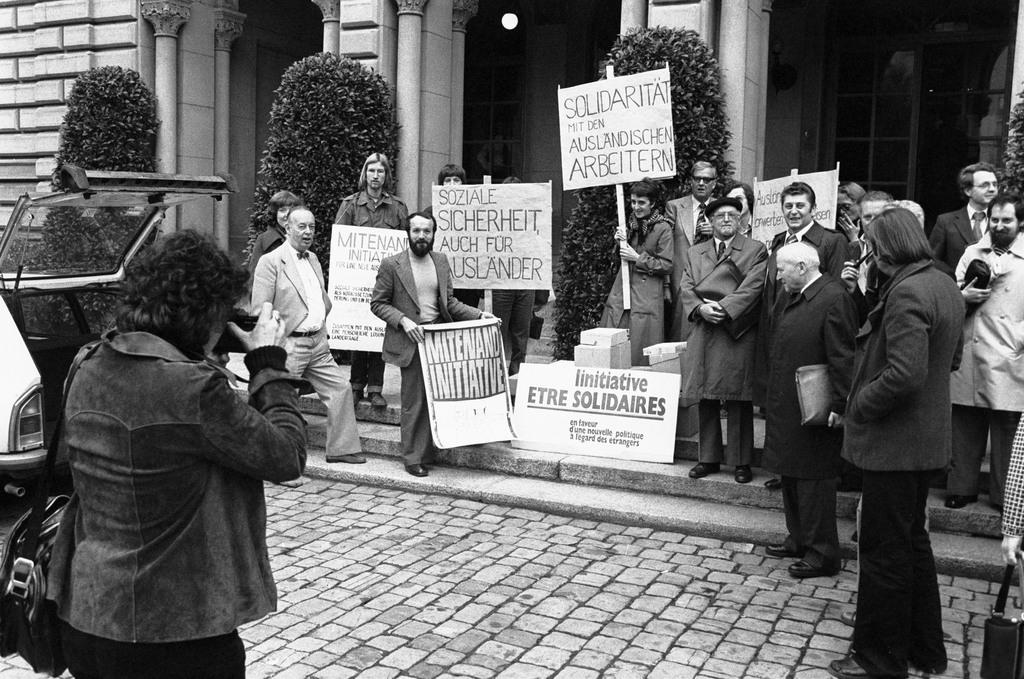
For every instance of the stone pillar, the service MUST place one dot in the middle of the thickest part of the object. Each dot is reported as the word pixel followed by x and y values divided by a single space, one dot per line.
pixel 742 57
pixel 634 15
pixel 407 97
pixel 167 17
pixel 331 9
pixel 462 12
pixel 228 27
pixel 1017 80
pixel 764 51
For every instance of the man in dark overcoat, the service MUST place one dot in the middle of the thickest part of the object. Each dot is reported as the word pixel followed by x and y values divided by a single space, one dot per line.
pixel 719 367
pixel 898 431
pixel 816 325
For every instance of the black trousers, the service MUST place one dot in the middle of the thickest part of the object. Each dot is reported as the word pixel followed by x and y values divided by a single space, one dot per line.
pixel 417 443
pixel 899 616
pixel 739 447
pixel 367 372
pixel 810 508
pixel 92 657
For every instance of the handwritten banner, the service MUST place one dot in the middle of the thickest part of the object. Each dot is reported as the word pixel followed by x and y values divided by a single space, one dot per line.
pixel 603 412
pixel 495 235
pixel 356 253
pixel 617 130
pixel 466 380
pixel 768 219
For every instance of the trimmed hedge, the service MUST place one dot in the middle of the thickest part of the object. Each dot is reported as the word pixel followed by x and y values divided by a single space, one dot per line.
pixel 589 262
pixel 329 114
pixel 1013 157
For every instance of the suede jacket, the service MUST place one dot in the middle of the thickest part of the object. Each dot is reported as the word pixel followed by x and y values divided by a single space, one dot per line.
pixel 165 538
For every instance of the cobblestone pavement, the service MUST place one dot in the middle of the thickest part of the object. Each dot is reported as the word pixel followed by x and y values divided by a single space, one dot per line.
pixel 377 583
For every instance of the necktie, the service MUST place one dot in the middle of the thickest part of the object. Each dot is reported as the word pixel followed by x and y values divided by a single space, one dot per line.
pixel 721 249
pixel 976 225
pixel 700 233
pixel 790 239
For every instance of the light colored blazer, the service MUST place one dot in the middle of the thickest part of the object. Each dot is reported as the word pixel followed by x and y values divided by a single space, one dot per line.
pixel 394 298
pixel 277 281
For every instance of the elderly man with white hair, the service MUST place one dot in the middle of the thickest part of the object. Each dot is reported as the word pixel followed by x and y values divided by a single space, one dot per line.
pixel 816 325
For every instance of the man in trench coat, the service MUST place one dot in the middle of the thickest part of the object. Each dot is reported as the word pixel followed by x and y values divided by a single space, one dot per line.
pixel 720 368
pixel 816 325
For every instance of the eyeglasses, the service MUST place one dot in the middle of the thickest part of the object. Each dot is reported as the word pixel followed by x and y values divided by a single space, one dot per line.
pixel 986 185
pixel 704 180
pixel 726 216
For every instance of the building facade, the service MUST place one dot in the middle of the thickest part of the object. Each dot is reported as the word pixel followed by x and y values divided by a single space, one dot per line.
pixel 900 93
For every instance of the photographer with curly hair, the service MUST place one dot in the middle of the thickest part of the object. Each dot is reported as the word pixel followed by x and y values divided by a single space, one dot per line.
pixel 162 553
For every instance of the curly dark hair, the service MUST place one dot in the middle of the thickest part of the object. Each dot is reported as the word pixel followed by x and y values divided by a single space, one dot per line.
pixel 179 288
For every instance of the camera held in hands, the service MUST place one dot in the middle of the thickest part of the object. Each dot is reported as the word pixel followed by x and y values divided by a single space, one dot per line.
pixel 228 342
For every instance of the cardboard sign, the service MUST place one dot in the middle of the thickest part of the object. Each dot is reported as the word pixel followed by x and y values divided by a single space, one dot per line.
pixel 768 219
pixel 617 130
pixel 466 380
pixel 603 412
pixel 356 252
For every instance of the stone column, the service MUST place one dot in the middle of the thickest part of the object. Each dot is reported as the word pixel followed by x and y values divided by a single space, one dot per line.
pixel 462 12
pixel 634 15
pixel 167 16
pixel 228 27
pixel 1017 79
pixel 407 97
pixel 331 9
pixel 764 50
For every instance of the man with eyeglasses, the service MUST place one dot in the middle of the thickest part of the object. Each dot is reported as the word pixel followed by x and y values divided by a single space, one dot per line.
pixel 691 226
pixel 954 231
pixel 720 357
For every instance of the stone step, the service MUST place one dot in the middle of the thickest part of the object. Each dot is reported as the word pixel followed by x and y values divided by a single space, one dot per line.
pixel 962 555
pixel 978 519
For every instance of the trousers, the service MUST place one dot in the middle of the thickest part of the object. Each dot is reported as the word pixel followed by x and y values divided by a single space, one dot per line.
pixel 367 372
pixel 417 443
pixel 739 446
pixel 310 358
pixel 972 428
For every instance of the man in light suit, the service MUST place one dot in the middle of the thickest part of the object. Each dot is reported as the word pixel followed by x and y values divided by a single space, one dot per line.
pixel 954 231
pixel 414 288
pixel 290 278
pixel 690 226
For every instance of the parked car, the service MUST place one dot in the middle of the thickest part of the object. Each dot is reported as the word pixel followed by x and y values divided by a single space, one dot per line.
pixel 62 258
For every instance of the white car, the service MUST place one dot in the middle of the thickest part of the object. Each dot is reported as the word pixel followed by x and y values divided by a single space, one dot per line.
pixel 62 258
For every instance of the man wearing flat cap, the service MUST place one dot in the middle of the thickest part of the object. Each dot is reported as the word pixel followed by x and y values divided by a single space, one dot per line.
pixel 719 293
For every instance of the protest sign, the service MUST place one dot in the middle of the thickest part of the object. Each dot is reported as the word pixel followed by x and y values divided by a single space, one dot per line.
pixel 496 236
pixel 617 130
pixel 768 219
pixel 466 380
pixel 356 252
pixel 603 412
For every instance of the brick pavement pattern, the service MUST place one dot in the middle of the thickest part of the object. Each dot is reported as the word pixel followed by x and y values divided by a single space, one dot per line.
pixel 383 584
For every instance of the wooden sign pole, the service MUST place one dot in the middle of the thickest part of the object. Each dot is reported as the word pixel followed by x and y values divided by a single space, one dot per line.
pixel 620 203
pixel 488 293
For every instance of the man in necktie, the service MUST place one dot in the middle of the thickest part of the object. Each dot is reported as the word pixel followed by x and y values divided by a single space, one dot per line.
pixel 954 231
pixel 719 367
pixel 290 278
pixel 691 225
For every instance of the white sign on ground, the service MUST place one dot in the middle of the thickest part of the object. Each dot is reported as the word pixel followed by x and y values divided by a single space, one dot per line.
pixel 466 380
pixel 603 412
pixel 768 219
pixel 617 130
pixel 356 253
pixel 496 236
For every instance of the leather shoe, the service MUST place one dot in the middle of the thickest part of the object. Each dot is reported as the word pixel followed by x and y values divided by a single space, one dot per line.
pixel 702 469
pixel 352 458
pixel 930 668
pixel 782 551
pixel 377 400
pixel 773 484
pixel 743 474
pixel 416 469
pixel 802 569
pixel 960 501
pixel 847 668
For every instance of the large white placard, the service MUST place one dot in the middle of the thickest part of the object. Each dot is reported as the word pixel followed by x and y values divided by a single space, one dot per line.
pixel 767 209
pixel 617 130
pixel 495 236
pixel 466 380
pixel 356 252
pixel 602 412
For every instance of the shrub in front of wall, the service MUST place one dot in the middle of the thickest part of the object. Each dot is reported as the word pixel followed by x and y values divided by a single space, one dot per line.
pixel 328 115
pixel 1013 157
pixel 589 257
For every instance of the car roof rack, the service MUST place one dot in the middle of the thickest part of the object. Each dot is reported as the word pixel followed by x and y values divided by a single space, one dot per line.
pixel 72 178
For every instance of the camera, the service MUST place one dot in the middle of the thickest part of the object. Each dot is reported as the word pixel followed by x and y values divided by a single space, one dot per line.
pixel 228 343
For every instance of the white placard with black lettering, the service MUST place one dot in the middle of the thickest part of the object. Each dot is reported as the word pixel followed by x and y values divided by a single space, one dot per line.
pixel 496 236
pixel 356 253
pixel 617 130
pixel 768 219
pixel 601 412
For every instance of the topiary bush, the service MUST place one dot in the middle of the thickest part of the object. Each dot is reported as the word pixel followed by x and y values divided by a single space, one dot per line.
pixel 1013 157
pixel 329 114
pixel 588 261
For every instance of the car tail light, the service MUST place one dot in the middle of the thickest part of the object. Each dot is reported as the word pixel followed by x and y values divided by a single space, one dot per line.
pixel 27 425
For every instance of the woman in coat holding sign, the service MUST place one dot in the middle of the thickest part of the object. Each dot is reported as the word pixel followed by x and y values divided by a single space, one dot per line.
pixel 646 245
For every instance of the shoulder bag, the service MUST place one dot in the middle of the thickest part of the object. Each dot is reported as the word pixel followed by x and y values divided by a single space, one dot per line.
pixel 1002 655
